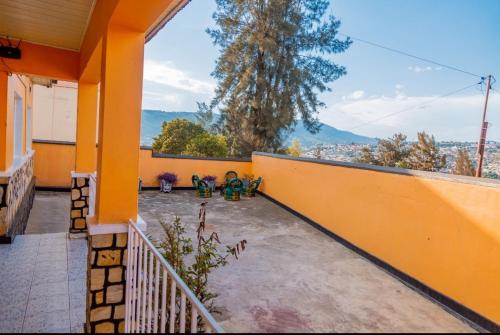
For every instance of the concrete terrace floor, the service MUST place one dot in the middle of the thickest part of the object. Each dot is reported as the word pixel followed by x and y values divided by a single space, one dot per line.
pixel 292 277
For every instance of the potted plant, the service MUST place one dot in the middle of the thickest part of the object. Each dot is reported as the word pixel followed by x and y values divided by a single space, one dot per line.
pixel 167 180
pixel 210 180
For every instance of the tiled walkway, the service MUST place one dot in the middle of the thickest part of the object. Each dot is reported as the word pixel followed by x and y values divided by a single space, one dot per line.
pixel 42 284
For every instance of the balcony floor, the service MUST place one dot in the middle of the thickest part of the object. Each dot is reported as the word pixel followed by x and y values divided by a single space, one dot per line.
pixel 42 284
pixel 292 277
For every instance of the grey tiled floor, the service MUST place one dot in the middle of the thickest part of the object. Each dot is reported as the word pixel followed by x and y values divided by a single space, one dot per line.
pixel 42 284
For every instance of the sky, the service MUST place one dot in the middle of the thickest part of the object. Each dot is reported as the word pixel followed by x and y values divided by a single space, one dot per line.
pixel 383 92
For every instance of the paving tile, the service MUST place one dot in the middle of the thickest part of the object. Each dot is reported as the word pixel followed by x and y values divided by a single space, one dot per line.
pixel 51 266
pixel 78 329
pixel 77 286
pixel 53 303
pixel 77 316
pixel 15 286
pixel 54 257
pixel 48 289
pixel 14 297
pixel 42 277
pixel 11 326
pixel 77 300
pixel 12 311
pixel 53 322
pixel 77 274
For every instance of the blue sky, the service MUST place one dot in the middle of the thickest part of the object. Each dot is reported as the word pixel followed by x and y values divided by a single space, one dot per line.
pixel 464 34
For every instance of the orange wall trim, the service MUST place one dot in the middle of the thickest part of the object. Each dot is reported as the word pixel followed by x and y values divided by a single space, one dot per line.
pixel 39 60
pixel 54 162
pixel 150 167
pixel 443 233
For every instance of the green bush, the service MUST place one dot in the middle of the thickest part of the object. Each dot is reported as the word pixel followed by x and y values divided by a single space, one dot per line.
pixel 181 136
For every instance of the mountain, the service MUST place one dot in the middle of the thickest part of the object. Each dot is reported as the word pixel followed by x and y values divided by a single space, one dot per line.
pixel 152 120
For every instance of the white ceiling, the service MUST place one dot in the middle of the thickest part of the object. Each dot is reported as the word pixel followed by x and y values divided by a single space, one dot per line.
pixel 57 23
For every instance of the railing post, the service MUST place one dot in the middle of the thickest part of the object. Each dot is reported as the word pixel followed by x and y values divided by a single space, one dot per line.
pixel 147 294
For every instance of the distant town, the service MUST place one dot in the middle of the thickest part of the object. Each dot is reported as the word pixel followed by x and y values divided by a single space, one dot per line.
pixel 349 152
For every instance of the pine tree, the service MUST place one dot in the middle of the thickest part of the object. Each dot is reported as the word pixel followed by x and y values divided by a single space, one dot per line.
pixel 271 68
pixel 389 152
pixel 463 164
pixel 366 156
pixel 424 155
pixel 392 151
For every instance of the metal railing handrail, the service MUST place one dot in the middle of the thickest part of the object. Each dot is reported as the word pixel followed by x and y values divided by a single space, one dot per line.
pixel 195 302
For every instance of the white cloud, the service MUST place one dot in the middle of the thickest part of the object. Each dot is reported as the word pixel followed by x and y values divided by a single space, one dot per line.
pixel 451 118
pixel 166 74
pixel 354 95
pixel 418 69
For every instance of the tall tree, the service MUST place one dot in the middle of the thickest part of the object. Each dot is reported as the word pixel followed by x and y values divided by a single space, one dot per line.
pixel 389 152
pixel 463 164
pixel 271 68
pixel 424 155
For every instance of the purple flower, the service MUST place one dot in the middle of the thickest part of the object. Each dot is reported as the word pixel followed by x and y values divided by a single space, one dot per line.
pixel 170 178
pixel 209 178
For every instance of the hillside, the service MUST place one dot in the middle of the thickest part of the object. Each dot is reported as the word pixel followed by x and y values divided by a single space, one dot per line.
pixel 152 120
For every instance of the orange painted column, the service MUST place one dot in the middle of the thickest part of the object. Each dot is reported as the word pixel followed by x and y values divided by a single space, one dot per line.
pixel 119 125
pixel 86 128
pixel 3 120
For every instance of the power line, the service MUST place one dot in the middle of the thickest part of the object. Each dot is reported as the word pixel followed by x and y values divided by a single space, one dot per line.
pixel 414 107
pixel 411 56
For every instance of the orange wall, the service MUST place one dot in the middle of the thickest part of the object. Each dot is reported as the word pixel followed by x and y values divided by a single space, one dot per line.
pixel 150 168
pixel 445 234
pixel 45 61
pixel 53 164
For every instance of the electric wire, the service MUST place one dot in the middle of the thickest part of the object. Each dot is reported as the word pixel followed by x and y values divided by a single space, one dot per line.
pixel 414 107
pixel 410 55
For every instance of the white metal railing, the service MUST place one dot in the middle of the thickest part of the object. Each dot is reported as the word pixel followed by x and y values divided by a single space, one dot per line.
pixel 157 299
pixel 92 193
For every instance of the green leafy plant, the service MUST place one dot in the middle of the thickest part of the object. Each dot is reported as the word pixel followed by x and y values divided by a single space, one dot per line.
pixel 176 247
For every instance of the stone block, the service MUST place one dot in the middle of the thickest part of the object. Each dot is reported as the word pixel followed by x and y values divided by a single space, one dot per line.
pixel 79 204
pixel 100 313
pixel 102 241
pixel 108 257
pixel 105 327
pixel 121 327
pixel 76 213
pixel 99 297
pixel 85 191
pixel 80 223
pixel 121 240
pixel 119 312
pixel 96 279
pixel 114 294
pixel 80 181
pixel 75 194
pixel 115 275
